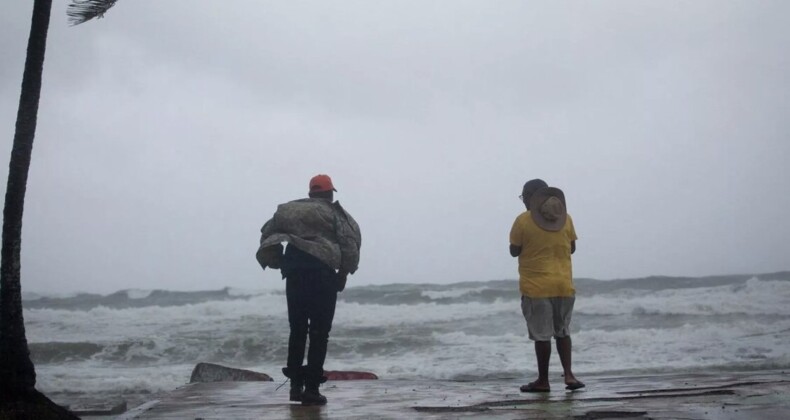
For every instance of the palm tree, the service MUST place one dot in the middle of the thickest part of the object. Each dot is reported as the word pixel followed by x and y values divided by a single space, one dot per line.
pixel 18 395
pixel 19 398
pixel 81 11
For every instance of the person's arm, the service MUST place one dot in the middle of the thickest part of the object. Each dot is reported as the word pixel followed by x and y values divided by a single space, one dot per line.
pixel 342 278
pixel 515 250
pixel 350 241
pixel 515 239
pixel 572 236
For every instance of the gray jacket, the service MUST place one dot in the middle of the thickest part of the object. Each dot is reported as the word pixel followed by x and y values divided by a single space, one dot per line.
pixel 317 226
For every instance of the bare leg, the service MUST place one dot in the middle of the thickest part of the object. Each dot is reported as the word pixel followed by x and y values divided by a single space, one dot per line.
pixel 543 353
pixel 564 349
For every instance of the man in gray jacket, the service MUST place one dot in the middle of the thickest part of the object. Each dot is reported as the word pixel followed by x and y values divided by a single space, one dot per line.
pixel 323 249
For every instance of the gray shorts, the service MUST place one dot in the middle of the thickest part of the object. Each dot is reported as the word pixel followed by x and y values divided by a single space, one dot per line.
pixel 547 317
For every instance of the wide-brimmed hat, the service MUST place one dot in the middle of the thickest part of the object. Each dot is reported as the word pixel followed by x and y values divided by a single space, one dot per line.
pixel 547 207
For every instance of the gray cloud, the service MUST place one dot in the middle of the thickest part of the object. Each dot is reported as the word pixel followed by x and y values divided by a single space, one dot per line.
pixel 168 132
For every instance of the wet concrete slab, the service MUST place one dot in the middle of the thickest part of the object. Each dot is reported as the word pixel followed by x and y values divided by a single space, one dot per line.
pixel 725 395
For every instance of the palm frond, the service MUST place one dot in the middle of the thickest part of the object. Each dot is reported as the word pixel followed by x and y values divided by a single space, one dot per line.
pixel 81 11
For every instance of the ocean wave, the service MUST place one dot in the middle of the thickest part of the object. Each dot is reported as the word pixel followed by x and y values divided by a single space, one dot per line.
pixel 753 297
pixel 115 345
pixel 361 315
pixel 135 298
pixel 394 294
pixel 60 352
pixel 127 383
pixel 434 294
pixel 236 292
pixel 138 294
pixel 452 293
pixel 113 324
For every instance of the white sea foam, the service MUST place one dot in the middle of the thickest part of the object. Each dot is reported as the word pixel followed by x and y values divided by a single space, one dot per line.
pixel 97 380
pixel 459 354
pixel 755 297
pixel 687 347
pixel 450 294
pixel 236 292
pixel 114 324
pixel 364 315
pixel 29 296
pixel 138 293
pixel 153 348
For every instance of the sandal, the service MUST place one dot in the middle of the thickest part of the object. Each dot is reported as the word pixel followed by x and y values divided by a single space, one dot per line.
pixel 531 387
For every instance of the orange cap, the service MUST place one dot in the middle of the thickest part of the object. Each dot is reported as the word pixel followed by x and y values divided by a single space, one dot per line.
pixel 321 183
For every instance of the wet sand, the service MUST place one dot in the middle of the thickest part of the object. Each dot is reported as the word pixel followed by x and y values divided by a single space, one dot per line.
pixel 725 395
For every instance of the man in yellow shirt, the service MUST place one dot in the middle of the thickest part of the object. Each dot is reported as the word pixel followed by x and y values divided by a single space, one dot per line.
pixel 543 238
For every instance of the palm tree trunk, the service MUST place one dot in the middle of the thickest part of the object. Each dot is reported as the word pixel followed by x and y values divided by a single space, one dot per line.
pixel 16 369
pixel 18 397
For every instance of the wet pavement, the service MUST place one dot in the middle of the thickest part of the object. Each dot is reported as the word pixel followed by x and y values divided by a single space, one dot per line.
pixel 726 395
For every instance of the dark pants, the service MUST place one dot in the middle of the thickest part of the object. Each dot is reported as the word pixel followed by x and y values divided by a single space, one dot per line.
pixel 312 295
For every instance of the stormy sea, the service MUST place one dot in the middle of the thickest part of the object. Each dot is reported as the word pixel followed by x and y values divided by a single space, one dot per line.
pixel 133 344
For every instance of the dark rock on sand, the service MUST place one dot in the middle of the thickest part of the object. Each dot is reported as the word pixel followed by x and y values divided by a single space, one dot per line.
pixel 347 375
pixel 103 409
pixel 210 372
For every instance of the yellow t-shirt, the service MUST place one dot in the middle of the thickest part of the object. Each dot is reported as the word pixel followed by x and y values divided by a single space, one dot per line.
pixel 544 265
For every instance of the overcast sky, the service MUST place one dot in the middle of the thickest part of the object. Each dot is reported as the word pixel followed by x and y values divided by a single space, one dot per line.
pixel 170 130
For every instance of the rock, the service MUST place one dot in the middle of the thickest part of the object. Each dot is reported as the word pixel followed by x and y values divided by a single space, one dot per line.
pixel 347 375
pixel 210 372
pixel 106 409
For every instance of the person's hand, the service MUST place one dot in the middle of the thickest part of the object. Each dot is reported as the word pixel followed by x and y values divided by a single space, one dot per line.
pixel 340 280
